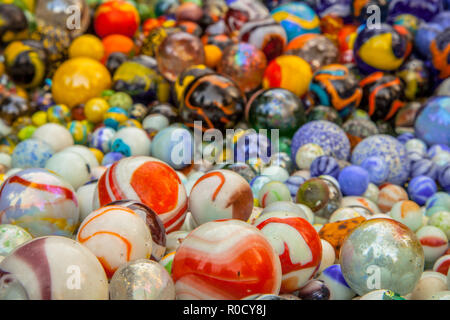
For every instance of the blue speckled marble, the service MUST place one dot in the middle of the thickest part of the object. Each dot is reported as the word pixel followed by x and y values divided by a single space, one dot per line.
pixel 324 165
pixel 31 153
pixel 432 124
pixel 326 134
pixel 390 150
pixel 377 169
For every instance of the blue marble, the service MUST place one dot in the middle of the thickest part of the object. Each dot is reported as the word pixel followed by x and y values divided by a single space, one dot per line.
pixel 421 188
pixel 353 181
pixel 405 137
pixel 377 169
pixel 444 177
pixel 293 183
pixel 432 123
pixel 101 139
pixel 424 35
pixel 424 167
pixel 390 150
pixel 305 19
pixel 334 272
pixel 442 19
pixel 423 9
pixel 326 134
pixel 31 153
pixel 435 149
pixel 111 157
pixel 324 165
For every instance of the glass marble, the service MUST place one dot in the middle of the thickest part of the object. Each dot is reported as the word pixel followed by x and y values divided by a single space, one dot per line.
pixel 131 142
pixel 333 278
pixel 79 79
pixel 420 188
pixel 353 180
pixel 245 170
pixel 142 280
pixel 266 34
pixel 388 246
pixel 282 69
pixel 382 294
pixel 314 290
pixel 54 13
pixel 302 245
pixel 319 112
pixel 379 49
pixel 324 165
pixel 239 12
pixel 416 76
pixel 326 134
pixel 389 195
pixel 424 167
pixel 177 52
pixel 174 146
pixel 220 194
pixel 320 195
pixel 25 62
pixel 316 49
pixel 296 19
pixel 390 150
pixel 336 232
pixel 293 183
pixel 147 180
pixel 335 86
pixel 31 153
pixel 272 192
pixel 404 119
pixel 358 129
pixel 44 271
pixel 432 124
pixel 15 23
pixel 101 139
pixel 39 201
pixel 444 177
pixel 306 154
pixel 275 109
pixel 213 99
pixel 441 220
pixel 115 235
pixel 425 11
pixel 409 213
pixel 12 236
pixel 142 83
pixel 116 17
pixel 254 259
pixel 383 95
pixel 153 222
pixel 70 166
pixel 434 242
pixel 245 64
